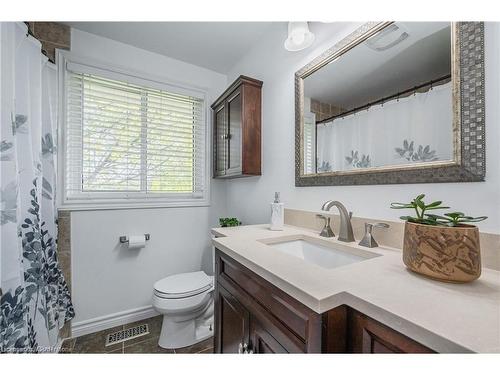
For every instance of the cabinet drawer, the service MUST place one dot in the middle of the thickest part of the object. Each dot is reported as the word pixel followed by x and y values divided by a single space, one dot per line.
pixel 300 320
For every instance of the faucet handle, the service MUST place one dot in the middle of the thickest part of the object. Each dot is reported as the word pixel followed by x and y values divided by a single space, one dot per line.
pixel 327 229
pixel 368 239
pixel 376 225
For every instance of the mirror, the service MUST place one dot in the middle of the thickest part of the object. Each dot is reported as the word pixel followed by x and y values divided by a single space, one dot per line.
pixel 384 100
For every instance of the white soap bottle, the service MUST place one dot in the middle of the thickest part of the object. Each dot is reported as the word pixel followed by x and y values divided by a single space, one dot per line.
pixel 277 213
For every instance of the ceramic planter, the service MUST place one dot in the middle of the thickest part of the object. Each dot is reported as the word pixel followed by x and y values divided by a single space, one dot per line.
pixel 444 253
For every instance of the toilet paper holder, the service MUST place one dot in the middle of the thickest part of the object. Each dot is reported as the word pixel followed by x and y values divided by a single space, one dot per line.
pixel 124 239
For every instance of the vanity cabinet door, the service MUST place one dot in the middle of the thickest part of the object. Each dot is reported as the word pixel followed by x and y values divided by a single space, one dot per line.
pixel 261 341
pixel 232 323
pixel 369 336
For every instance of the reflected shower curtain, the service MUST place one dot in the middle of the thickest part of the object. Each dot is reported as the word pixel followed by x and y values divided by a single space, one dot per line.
pixel 36 301
pixel 417 128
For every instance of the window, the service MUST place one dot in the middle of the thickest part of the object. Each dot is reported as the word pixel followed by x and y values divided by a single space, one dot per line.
pixel 131 140
pixel 309 143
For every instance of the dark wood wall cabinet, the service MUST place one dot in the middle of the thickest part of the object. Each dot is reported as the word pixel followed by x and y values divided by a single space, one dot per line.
pixel 237 130
pixel 254 316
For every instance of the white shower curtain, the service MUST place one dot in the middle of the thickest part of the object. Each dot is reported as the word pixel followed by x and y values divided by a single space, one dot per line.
pixel 35 301
pixel 416 128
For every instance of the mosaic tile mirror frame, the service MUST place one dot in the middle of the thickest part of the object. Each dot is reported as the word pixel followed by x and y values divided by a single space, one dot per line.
pixel 323 108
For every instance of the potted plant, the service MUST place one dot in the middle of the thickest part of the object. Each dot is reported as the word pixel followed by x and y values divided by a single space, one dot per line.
pixel 229 222
pixel 443 247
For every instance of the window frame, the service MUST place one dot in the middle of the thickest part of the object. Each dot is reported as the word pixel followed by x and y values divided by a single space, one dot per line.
pixel 125 200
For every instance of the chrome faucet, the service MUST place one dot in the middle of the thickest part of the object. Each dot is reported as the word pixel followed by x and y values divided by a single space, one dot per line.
pixel 345 232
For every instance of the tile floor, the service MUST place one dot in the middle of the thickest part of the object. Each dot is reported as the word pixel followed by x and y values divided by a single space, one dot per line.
pixel 148 344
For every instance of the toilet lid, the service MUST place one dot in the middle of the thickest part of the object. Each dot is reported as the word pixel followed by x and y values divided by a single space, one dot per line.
pixel 185 284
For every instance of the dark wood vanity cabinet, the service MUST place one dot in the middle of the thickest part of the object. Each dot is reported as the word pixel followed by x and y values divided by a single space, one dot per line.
pixel 237 130
pixel 254 316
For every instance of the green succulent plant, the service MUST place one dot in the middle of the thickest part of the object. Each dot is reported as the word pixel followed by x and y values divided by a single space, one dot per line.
pixel 229 222
pixel 455 219
pixel 450 219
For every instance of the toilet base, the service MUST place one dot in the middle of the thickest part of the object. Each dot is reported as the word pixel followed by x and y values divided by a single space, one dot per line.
pixel 179 334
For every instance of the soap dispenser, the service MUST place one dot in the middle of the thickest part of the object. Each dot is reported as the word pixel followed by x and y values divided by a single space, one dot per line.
pixel 277 213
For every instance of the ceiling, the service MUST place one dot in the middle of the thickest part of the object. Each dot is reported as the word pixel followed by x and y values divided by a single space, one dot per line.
pixel 213 45
pixel 364 74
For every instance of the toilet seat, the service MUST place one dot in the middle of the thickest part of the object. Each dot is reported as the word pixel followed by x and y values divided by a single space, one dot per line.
pixel 183 285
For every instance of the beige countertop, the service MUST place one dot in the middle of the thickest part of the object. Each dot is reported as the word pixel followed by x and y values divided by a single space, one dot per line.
pixel 443 316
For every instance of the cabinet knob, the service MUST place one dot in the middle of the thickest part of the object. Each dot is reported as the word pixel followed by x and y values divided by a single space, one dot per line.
pixel 244 348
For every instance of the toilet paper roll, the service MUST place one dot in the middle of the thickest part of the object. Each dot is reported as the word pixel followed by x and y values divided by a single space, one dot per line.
pixel 136 242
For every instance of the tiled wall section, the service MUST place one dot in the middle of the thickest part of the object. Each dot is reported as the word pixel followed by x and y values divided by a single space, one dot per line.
pixel 52 35
pixel 64 255
pixel 324 110
pixel 392 237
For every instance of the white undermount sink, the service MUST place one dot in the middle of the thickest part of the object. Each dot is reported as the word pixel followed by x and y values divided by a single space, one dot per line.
pixel 325 254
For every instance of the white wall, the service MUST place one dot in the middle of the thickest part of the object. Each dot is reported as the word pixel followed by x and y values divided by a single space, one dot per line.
pixel 106 278
pixel 269 62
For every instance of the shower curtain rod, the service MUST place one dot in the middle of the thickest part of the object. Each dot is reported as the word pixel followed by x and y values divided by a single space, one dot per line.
pixel 383 100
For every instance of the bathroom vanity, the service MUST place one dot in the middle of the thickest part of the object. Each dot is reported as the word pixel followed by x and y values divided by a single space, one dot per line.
pixel 253 316
pixel 271 298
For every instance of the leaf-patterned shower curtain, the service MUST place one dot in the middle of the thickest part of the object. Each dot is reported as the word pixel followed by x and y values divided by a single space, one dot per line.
pixel 35 301
pixel 385 134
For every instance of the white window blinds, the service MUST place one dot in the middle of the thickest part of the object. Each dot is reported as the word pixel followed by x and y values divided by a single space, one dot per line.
pixel 128 140
pixel 309 143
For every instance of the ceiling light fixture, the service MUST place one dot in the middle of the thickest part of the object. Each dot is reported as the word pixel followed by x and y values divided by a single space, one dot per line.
pixel 299 36
pixel 387 38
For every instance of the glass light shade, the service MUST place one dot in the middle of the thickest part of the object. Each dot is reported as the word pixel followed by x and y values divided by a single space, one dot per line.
pixel 299 36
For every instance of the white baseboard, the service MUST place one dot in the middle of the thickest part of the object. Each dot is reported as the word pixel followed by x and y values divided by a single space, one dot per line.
pixel 108 321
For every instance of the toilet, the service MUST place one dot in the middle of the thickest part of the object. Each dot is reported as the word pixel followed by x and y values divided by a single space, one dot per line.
pixel 186 302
